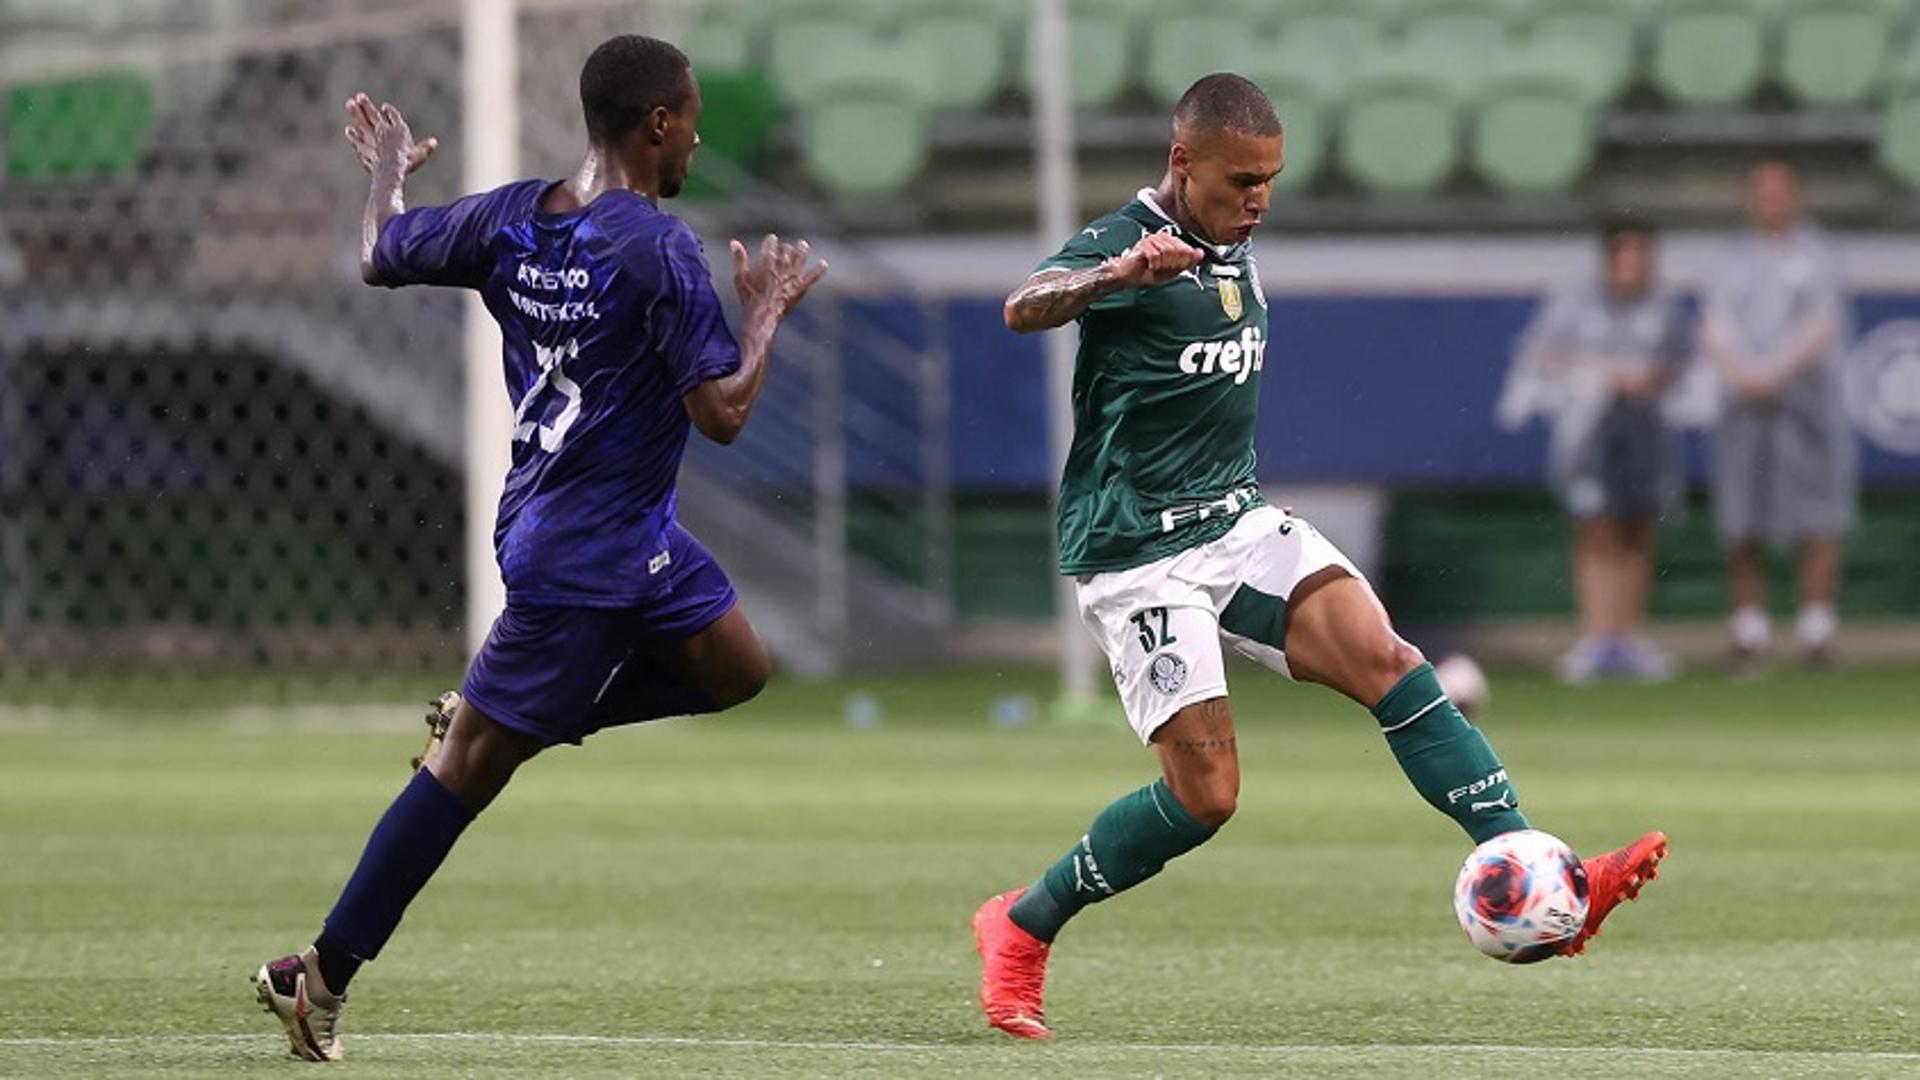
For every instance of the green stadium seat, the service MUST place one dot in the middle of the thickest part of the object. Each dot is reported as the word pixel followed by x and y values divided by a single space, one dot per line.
pixel 1833 52
pixel 1284 60
pixel 1599 38
pixel 724 36
pixel 90 127
pixel 1709 52
pixel 1345 31
pixel 811 42
pixel 1102 52
pixel 1461 71
pixel 1187 46
pixel 1533 128
pixel 866 136
pixel 1400 130
pixel 967 41
pixel 1102 36
pixel 1899 147
pixel 1473 35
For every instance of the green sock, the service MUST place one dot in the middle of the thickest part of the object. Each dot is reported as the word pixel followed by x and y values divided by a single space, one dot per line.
pixel 1447 758
pixel 1127 844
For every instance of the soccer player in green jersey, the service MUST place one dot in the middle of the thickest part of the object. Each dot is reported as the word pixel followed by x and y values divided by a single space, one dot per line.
pixel 1174 551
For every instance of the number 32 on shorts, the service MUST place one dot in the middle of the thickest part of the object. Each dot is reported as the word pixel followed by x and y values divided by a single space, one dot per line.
pixel 1151 627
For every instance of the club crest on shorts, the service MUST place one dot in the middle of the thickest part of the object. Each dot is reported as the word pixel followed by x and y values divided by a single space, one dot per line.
pixel 1230 298
pixel 1168 673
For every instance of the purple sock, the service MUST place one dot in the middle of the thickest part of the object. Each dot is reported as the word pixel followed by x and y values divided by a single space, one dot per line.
pixel 406 847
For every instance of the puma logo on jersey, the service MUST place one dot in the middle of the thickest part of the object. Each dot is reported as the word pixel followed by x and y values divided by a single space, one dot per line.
pixel 1239 357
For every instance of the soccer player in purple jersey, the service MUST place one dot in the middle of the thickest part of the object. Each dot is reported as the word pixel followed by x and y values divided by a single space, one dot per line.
pixel 614 345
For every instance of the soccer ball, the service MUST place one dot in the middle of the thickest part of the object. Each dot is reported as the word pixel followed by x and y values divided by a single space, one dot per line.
pixel 1521 896
pixel 1463 681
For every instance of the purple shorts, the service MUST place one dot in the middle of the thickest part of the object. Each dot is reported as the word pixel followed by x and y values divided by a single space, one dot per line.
pixel 562 672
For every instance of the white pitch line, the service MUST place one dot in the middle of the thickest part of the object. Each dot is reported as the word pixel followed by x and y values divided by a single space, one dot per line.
pixel 57 1041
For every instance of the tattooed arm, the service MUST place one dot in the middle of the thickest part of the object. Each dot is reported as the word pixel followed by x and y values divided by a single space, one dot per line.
pixel 1053 298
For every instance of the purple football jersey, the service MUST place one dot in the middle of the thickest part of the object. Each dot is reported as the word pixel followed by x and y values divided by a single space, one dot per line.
pixel 609 318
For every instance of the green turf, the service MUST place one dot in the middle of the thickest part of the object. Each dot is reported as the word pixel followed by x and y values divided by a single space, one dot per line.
pixel 777 893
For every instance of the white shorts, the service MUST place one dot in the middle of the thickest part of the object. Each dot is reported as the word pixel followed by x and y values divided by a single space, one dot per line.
pixel 1161 624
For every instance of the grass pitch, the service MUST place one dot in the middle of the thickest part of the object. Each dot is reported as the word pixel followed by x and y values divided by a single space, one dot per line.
pixel 777 892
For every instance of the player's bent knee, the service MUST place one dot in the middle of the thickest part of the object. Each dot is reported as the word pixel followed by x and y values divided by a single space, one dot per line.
pixel 1398 657
pixel 1214 806
pixel 1209 800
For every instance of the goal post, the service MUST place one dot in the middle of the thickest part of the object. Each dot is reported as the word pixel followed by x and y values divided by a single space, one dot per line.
pixel 490 152
pixel 1052 67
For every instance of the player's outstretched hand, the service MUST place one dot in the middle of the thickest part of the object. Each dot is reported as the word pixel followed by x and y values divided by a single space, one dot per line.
pixel 779 278
pixel 380 137
pixel 1158 258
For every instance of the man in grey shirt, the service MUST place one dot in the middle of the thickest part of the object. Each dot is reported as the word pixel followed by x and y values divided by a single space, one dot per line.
pixel 1596 362
pixel 1775 324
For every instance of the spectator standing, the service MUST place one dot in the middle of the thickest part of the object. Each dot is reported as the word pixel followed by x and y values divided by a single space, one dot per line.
pixel 1595 363
pixel 1785 462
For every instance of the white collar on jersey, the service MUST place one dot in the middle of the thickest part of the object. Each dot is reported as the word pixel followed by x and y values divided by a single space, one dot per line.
pixel 1220 251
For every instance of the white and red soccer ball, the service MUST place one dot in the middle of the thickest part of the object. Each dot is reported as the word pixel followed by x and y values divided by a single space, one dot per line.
pixel 1522 896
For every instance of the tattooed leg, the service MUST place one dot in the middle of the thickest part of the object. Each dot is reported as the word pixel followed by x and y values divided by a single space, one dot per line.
pixel 1137 833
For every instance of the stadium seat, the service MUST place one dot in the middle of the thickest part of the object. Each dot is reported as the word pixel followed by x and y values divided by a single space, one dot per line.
pixel 1474 35
pixel 1400 130
pixel 968 43
pixel 1709 52
pixel 1463 72
pixel 812 42
pixel 1283 60
pixel 1599 39
pixel 1185 46
pixel 1344 31
pixel 1533 125
pixel 866 137
pixel 1899 148
pixel 723 37
pixel 94 126
pixel 1833 52
pixel 1102 36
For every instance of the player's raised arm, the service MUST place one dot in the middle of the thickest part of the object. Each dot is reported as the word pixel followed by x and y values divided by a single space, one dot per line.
pixel 386 148
pixel 1053 298
pixel 769 289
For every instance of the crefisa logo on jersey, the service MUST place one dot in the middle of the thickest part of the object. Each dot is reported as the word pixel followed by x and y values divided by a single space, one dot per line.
pixel 1882 386
pixel 1238 356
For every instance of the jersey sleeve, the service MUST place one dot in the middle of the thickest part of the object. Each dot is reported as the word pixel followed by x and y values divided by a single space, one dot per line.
pixel 691 333
pixel 1549 329
pixel 1092 246
pixel 444 245
pixel 1531 387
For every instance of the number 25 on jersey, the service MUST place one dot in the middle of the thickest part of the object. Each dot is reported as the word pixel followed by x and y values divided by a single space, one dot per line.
pixel 552 403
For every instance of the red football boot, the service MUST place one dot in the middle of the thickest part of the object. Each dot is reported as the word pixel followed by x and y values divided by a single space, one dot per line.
pixel 1616 876
pixel 1013 970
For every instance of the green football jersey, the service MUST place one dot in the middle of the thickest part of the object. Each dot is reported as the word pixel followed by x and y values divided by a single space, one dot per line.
pixel 1165 388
